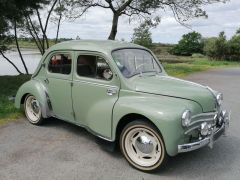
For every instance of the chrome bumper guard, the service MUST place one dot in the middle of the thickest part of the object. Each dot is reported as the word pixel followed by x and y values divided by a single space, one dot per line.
pixel 209 140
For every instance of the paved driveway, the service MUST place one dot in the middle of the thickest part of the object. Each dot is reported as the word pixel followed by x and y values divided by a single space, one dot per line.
pixel 60 150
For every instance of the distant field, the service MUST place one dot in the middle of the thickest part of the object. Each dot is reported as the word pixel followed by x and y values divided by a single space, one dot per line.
pixel 29 44
pixel 180 66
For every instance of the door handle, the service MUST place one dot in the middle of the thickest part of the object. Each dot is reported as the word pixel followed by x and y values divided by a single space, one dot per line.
pixel 111 91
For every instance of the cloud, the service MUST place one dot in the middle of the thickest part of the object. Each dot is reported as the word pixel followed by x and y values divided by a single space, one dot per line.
pixel 96 24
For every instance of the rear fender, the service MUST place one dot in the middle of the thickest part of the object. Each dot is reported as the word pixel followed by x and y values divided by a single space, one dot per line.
pixel 37 89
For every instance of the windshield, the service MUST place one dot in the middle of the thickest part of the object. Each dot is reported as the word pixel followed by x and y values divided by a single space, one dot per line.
pixel 132 62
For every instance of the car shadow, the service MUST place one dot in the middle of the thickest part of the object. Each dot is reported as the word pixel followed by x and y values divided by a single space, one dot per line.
pixel 105 146
pixel 204 161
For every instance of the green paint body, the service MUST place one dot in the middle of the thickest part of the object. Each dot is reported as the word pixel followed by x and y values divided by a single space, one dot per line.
pixel 84 101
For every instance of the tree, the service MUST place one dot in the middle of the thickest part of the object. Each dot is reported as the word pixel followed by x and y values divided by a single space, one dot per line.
pixel 209 48
pixel 238 32
pixel 59 10
pixel 182 10
pixel 221 46
pixel 142 34
pixel 12 13
pixel 189 44
pixel 5 39
pixel 37 28
pixel 234 47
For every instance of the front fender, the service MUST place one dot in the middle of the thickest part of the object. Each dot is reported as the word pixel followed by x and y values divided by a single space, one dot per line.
pixel 164 112
pixel 37 89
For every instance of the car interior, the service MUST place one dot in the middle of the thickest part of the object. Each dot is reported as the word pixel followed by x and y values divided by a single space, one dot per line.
pixel 91 66
pixel 60 63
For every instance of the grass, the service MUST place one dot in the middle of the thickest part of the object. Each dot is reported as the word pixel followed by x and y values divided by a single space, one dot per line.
pixel 195 65
pixel 9 87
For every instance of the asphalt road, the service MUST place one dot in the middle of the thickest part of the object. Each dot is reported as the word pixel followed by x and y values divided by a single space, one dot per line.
pixel 59 150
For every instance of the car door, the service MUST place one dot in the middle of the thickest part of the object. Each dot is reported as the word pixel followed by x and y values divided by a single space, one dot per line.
pixel 94 92
pixel 58 82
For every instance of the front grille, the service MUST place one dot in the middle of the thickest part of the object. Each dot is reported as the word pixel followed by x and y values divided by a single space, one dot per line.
pixel 210 118
pixel 203 117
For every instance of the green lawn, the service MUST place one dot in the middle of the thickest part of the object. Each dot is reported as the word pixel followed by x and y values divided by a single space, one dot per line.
pixel 9 86
pixel 191 65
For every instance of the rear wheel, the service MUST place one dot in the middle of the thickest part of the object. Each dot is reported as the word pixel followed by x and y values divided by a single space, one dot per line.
pixel 143 146
pixel 33 110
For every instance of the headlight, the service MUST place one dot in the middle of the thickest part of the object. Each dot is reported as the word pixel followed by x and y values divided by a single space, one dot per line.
pixel 219 98
pixel 186 118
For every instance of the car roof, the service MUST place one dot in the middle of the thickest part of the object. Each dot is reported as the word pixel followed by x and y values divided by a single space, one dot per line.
pixel 93 45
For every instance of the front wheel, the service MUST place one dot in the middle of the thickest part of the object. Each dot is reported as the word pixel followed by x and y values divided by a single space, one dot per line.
pixel 143 146
pixel 33 110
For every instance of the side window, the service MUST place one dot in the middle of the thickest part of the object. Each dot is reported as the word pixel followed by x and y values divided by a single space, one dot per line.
pixel 60 63
pixel 93 67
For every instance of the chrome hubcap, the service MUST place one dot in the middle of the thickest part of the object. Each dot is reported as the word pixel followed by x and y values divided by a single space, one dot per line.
pixel 143 147
pixel 144 144
pixel 35 106
pixel 32 108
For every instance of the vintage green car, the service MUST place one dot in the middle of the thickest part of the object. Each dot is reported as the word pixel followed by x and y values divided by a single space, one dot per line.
pixel 120 92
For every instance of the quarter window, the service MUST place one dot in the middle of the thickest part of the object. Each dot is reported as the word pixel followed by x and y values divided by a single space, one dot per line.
pixel 93 67
pixel 60 63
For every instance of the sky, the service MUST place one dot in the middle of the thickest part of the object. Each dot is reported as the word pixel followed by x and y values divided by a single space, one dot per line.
pixel 96 24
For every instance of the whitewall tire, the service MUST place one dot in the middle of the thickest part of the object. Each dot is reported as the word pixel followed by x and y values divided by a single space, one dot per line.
pixel 33 110
pixel 143 146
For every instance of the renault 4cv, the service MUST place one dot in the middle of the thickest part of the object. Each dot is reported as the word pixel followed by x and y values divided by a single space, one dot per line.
pixel 120 92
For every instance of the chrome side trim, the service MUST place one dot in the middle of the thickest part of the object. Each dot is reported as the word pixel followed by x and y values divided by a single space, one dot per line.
pixel 87 128
pixel 95 133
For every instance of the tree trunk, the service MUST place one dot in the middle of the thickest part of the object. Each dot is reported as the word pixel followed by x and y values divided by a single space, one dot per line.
pixel 29 20
pixel 58 27
pixel 18 48
pixel 46 23
pixel 11 62
pixel 34 38
pixel 113 33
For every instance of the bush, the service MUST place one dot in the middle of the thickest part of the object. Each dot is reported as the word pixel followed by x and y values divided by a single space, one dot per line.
pixel 209 48
pixel 198 55
pixel 189 44
pixel 234 48
pixel 221 49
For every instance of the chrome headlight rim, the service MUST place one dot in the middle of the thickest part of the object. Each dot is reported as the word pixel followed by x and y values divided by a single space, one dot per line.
pixel 186 118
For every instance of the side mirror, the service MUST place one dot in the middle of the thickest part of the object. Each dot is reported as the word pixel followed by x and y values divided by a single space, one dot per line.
pixel 107 74
pixel 43 65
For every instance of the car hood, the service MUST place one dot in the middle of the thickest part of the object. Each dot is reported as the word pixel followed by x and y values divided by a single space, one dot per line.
pixel 169 86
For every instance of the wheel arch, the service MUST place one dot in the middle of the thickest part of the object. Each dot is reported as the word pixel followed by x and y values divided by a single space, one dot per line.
pixel 130 118
pixel 38 90
pixel 23 98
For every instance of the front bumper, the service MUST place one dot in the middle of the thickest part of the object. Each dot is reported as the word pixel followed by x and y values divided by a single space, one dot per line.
pixel 208 140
